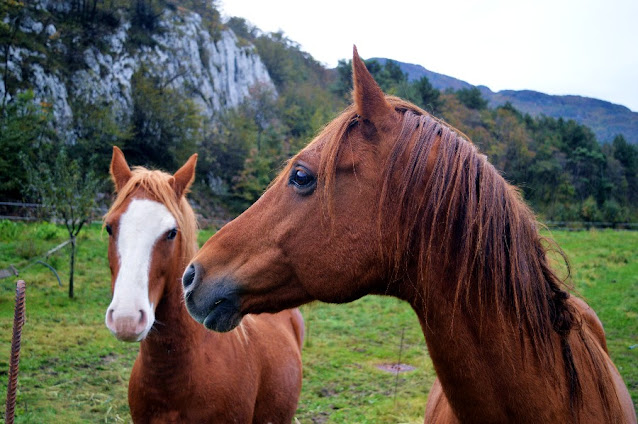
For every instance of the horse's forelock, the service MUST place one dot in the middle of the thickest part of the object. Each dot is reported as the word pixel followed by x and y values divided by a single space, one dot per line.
pixel 156 184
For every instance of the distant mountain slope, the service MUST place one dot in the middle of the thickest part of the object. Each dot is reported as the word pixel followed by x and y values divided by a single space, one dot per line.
pixel 605 119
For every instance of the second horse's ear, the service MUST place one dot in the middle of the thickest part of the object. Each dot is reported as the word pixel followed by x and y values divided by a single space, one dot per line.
pixel 369 99
pixel 120 171
pixel 184 177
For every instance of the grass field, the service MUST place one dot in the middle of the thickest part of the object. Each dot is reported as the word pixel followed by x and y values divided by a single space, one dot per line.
pixel 73 370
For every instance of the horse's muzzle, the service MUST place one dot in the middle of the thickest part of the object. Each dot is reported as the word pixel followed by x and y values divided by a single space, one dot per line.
pixel 213 303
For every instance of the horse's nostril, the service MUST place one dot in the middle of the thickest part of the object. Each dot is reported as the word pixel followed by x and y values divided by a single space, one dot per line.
pixel 109 317
pixel 189 276
pixel 141 324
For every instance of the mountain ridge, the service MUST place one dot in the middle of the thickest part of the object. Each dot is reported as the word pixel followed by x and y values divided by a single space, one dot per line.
pixel 605 119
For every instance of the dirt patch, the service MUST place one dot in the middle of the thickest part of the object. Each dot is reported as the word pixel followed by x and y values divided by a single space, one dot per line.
pixel 108 359
pixel 395 368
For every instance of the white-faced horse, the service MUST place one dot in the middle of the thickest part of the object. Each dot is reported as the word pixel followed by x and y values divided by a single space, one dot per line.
pixel 183 372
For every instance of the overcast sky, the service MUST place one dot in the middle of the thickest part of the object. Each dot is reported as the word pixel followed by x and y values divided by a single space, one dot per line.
pixel 582 47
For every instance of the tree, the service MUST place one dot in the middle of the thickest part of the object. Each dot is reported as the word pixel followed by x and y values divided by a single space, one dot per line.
pixel 428 97
pixel 166 125
pixel 24 126
pixel 627 155
pixel 66 192
pixel 275 51
pixel 97 130
pixel 343 83
pixel 242 29
pixel 389 75
pixel 472 98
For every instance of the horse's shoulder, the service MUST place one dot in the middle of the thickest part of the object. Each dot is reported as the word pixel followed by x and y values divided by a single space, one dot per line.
pixel 438 409
pixel 590 320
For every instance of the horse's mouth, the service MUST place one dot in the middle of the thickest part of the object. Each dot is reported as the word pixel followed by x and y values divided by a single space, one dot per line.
pixel 217 308
pixel 222 317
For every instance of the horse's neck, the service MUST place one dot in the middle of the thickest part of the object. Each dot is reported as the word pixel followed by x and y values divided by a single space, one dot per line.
pixel 484 369
pixel 175 332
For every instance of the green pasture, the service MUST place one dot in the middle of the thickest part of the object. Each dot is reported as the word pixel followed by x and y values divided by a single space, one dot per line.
pixel 73 371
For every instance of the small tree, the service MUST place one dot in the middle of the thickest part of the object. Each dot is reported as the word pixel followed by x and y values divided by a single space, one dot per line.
pixel 66 193
pixel 428 97
pixel 472 98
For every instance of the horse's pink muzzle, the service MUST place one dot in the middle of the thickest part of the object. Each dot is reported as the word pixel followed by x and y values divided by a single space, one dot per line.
pixel 127 327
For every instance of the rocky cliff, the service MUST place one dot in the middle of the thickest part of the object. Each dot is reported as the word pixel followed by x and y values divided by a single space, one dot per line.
pixel 215 72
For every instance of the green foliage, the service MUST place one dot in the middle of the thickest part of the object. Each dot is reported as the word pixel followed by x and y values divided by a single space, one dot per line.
pixel 63 187
pixel 287 64
pixel 343 83
pixel 9 230
pixel 251 182
pixel 24 128
pixel 627 156
pixel 613 212
pixel 589 210
pixel 245 148
pixel 428 97
pixel 472 98
pixel 66 192
pixel 388 76
pixel 97 129
pixel 166 125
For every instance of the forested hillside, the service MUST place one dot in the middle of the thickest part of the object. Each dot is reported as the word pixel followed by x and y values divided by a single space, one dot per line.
pixel 606 119
pixel 560 166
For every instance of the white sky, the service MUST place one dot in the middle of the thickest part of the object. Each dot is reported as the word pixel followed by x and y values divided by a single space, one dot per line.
pixel 582 47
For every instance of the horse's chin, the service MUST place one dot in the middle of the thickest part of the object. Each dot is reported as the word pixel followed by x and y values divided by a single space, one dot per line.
pixel 130 337
pixel 222 320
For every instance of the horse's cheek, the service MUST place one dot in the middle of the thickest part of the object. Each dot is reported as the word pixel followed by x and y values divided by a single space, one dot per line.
pixel 161 263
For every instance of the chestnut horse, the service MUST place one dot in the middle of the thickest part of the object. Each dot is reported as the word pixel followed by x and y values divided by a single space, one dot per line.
pixel 183 372
pixel 389 200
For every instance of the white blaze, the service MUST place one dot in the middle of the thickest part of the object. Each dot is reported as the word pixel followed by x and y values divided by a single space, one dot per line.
pixel 143 223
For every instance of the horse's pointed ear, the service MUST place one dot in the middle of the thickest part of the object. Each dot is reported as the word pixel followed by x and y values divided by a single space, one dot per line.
pixel 184 177
pixel 369 100
pixel 120 171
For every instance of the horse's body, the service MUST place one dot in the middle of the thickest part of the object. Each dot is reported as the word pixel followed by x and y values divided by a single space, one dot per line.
pixel 183 372
pixel 389 200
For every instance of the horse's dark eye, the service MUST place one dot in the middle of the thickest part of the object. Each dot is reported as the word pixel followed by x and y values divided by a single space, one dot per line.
pixel 172 234
pixel 109 229
pixel 302 180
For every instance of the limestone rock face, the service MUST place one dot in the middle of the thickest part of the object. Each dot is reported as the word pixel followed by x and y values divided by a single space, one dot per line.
pixel 215 73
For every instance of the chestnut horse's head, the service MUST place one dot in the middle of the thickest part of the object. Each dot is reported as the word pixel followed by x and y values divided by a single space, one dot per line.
pixel 315 233
pixel 151 231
